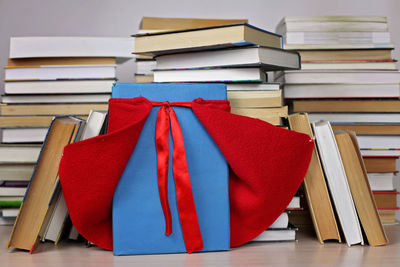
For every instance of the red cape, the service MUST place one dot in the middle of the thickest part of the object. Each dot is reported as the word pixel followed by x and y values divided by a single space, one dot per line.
pixel 267 165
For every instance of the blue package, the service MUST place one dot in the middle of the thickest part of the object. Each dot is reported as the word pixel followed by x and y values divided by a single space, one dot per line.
pixel 138 219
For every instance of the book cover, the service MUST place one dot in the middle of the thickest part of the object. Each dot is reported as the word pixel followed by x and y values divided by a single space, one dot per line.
pixel 138 220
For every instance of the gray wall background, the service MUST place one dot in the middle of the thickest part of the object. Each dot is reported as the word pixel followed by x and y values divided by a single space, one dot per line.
pixel 122 17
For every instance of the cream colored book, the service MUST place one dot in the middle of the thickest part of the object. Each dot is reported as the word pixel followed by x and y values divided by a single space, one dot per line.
pixel 317 194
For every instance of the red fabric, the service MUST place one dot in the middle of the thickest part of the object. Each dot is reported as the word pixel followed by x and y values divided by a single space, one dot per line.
pixel 187 210
pixel 267 166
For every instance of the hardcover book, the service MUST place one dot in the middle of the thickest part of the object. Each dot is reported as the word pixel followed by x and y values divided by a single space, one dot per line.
pixel 138 220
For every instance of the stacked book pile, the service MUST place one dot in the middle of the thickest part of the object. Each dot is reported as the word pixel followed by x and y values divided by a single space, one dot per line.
pixel 146 64
pixel 48 76
pixel 349 78
pixel 16 166
pixel 238 55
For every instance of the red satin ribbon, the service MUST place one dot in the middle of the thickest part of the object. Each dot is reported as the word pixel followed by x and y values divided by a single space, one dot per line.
pixel 166 118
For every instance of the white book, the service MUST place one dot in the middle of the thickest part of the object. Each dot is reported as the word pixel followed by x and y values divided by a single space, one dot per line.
pixel 270 235
pixel 16 172
pixel 331 26
pixel 388 65
pixel 9 212
pixel 294 203
pixel 381 181
pixel 23 135
pixel 10 153
pixel 145 67
pixel 270 86
pixel 59 72
pixel 336 76
pixel 337 38
pixel 356 117
pixel 61 98
pixel 337 182
pixel 211 75
pixel 337 90
pixel 281 222
pixel 379 141
pixel 267 58
pixel 71 46
pixel 380 153
pixel 381 19
pixel 12 191
pixel 59 87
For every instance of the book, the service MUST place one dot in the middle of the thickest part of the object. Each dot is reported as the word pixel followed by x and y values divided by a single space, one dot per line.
pixel 347 54
pixel 70 46
pixel 294 204
pixel 281 222
pixel 380 165
pixel 260 99
pixel 264 57
pixel 58 87
pixel 60 98
pixel 382 181
pixel 387 216
pixel 337 76
pixel 270 86
pixel 23 135
pixel 386 199
pixel 140 78
pixel 329 38
pixel 356 117
pixel 240 34
pixel 369 128
pixel 211 75
pixel 341 90
pixel 58 215
pixel 331 26
pixel 322 105
pixel 12 191
pixel 54 61
pixel 27 121
pixel 315 187
pixel 379 141
pixel 337 182
pixel 43 183
pixel 349 65
pixel 360 189
pixel 21 154
pixel 59 72
pixel 159 23
pixel 50 109
pixel 380 153
pixel 271 115
pixel 288 234
pixel 380 19
pixel 145 234
pixel 145 67
pixel 15 171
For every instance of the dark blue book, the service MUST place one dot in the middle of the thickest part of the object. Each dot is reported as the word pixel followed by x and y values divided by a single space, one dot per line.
pixel 138 219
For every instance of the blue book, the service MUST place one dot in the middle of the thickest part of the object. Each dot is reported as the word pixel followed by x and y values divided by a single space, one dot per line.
pixel 138 219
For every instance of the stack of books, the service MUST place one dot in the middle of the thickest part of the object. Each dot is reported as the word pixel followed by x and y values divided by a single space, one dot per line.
pixel 238 55
pixel 46 77
pixel 16 166
pixel 349 78
pixel 146 64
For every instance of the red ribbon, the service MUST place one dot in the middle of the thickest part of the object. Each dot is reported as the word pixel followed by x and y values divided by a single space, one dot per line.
pixel 166 118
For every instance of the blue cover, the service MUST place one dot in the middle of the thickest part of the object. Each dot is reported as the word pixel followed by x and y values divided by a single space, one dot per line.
pixel 138 219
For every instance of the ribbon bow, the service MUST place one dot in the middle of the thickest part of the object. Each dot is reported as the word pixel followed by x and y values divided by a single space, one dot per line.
pixel 166 119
